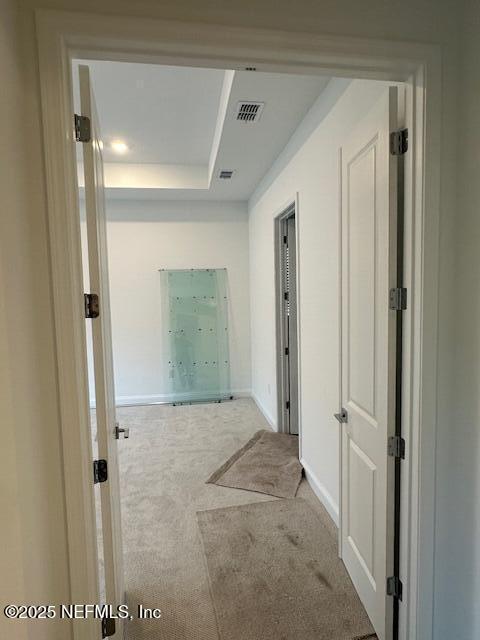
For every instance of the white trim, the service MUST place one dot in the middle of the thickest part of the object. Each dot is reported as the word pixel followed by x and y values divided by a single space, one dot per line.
pixel 340 342
pixel 280 338
pixel 266 414
pixel 298 290
pixel 421 350
pixel 127 401
pixel 63 35
pixel 321 492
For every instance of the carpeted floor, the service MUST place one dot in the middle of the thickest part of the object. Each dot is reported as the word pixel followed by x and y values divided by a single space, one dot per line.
pixel 277 564
pixel 164 465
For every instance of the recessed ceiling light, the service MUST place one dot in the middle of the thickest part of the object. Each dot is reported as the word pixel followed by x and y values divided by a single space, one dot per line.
pixel 119 146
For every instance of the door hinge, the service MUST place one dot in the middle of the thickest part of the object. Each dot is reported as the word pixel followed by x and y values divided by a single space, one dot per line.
pixel 285 239
pixel 285 295
pixel 394 587
pixel 396 447
pixel 399 142
pixel 108 627
pixel 100 471
pixel 92 305
pixel 287 405
pixel 342 416
pixel 286 351
pixel 83 132
pixel 397 299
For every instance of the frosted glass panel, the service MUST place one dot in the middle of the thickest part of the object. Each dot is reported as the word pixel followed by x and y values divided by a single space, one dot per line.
pixel 195 322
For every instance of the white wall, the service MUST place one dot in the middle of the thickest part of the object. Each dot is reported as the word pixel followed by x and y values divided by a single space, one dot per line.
pixel 309 166
pixel 457 607
pixel 12 585
pixel 145 236
pixel 33 544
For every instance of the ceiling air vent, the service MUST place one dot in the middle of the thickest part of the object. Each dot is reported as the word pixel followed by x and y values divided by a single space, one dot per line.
pixel 249 111
pixel 225 175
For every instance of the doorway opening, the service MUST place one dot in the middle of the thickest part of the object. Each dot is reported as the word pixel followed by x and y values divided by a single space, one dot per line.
pixel 60 165
pixel 287 324
pixel 187 331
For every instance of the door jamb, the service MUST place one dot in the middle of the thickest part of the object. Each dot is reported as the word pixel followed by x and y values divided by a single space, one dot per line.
pixel 64 35
pixel 278 221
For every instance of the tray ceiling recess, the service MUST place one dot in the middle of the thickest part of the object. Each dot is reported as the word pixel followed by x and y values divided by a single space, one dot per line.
pixel 190 133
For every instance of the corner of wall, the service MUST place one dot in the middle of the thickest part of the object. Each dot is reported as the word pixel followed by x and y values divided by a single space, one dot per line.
pixel 266 414
pixel 322 493
pixel 325 102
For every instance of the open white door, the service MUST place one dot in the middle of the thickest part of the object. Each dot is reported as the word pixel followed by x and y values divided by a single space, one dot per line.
pixel 369 233
pixel 107 433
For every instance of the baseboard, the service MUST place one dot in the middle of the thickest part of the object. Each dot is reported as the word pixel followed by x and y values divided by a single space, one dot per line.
pixel 242 393
pixel 266 414
pixel 321 492
pixel 123 401
pixel 127 401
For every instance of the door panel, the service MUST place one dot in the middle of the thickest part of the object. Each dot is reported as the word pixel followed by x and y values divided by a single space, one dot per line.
pixel 102 350
pixel 361 488
pixel 361 226
pixel 369 175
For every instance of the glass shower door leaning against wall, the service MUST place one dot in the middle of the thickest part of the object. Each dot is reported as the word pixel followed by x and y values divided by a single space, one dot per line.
pixel 195 334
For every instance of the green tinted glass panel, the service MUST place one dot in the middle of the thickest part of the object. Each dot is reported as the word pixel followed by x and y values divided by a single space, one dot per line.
pixel 195 322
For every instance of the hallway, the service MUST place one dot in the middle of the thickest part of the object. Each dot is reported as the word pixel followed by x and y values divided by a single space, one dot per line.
pixel 163 467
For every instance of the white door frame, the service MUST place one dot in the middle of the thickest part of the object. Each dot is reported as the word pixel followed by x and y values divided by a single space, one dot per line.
pixel 63 35
pixel 280 337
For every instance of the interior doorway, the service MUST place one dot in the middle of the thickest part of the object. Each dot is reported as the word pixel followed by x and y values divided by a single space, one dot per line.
pixel 362 517
pixel 62 195
pixel 365 249
pixel 287 321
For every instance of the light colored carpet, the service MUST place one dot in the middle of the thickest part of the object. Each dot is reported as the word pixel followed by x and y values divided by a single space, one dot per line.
pixel 275 573
pixel 267 463
pixel 163 466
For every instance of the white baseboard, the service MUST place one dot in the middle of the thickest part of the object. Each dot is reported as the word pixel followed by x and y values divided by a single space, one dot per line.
pixel 123 401
pixel 242 393
pixel 266 414
pixel 321 492
pixel 126 401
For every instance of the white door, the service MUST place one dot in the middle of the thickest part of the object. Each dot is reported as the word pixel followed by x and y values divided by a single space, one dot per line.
pixel 102 351
pixel 369 228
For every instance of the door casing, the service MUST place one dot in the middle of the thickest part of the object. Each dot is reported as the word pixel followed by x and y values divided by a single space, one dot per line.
pixel 63 36
pixel 281 337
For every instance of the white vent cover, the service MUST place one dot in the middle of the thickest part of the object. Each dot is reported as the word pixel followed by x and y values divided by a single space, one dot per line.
pixel 225 175
pixel 249 111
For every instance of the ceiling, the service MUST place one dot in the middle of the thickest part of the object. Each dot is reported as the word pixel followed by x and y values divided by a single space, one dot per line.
pixel 166 115
pixel 181 129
